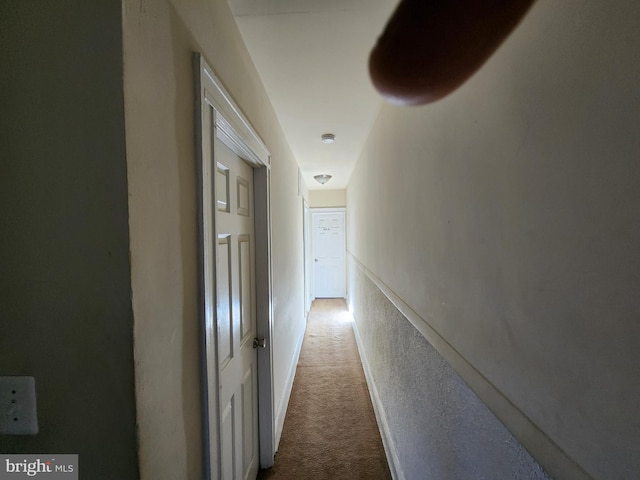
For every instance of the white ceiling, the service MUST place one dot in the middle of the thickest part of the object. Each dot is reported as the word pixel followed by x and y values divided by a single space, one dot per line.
pixel 312 58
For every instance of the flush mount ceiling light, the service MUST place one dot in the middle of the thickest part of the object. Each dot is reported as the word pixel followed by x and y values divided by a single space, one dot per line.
pixel 322 179
pixel 328 138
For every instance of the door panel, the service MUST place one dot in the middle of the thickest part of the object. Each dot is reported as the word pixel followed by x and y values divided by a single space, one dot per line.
pixel 243 197
pixel 329 277
pixel 249 454
pixel 222 188
pixel 225 317
pixel 227 429
pixel 246 303
pixel 236 317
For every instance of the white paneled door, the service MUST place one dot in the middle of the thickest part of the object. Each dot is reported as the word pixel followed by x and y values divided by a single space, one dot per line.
pixel 236 316
pixel 235 285
pixel 329 270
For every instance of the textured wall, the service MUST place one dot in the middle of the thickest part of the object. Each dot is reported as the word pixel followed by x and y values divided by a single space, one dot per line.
pixel 65 305
pixel 438 426
pixel 506 217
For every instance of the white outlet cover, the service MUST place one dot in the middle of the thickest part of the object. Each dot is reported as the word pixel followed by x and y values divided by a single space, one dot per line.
pixel 18 414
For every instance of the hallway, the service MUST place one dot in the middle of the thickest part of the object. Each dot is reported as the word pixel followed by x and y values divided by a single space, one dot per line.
pixel 330 430
pixel 492 238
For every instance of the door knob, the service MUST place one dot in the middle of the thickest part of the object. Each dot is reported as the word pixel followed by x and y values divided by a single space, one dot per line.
pixel 259 342
pixel 316 259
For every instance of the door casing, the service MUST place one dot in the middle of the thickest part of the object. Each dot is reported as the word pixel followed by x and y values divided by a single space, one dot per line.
pixel 308 257
pixel 215 109
pixel 322 211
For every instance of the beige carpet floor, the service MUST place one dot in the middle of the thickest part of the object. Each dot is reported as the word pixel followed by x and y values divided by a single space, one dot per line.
pixel 330 430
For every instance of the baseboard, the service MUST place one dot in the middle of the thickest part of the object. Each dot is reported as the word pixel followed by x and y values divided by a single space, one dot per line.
pixel 378 409
pixel 282 409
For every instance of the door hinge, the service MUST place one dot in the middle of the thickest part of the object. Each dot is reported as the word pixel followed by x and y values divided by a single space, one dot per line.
pixel 259 342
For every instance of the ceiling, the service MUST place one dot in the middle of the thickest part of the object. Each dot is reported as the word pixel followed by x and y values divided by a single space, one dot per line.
pixel 312 58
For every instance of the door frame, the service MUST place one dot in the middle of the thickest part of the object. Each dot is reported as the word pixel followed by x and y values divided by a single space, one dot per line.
pixel 313 212
pixel 308 264
pixel 215 109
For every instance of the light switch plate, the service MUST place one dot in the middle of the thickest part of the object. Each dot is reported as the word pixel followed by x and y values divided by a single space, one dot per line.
pixel 18 415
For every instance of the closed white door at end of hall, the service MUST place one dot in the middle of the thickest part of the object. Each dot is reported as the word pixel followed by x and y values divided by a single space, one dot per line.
pixel 329 270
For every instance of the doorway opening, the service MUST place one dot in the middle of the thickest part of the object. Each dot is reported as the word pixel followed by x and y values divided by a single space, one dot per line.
pixel 235 284
pixel 328 246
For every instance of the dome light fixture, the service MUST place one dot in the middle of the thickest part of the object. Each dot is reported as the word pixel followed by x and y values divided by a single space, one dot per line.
pixel 322 179
pixel 328 138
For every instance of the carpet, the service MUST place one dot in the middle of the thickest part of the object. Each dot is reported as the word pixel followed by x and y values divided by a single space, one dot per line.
pixel 330 430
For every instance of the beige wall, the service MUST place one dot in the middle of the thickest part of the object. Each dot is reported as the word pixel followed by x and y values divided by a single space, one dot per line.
pixel 327 198
pixel 506 217
pixel 159 38
pixel 65 306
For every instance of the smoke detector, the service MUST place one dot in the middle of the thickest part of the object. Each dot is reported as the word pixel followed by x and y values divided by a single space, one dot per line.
pixel 328 138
